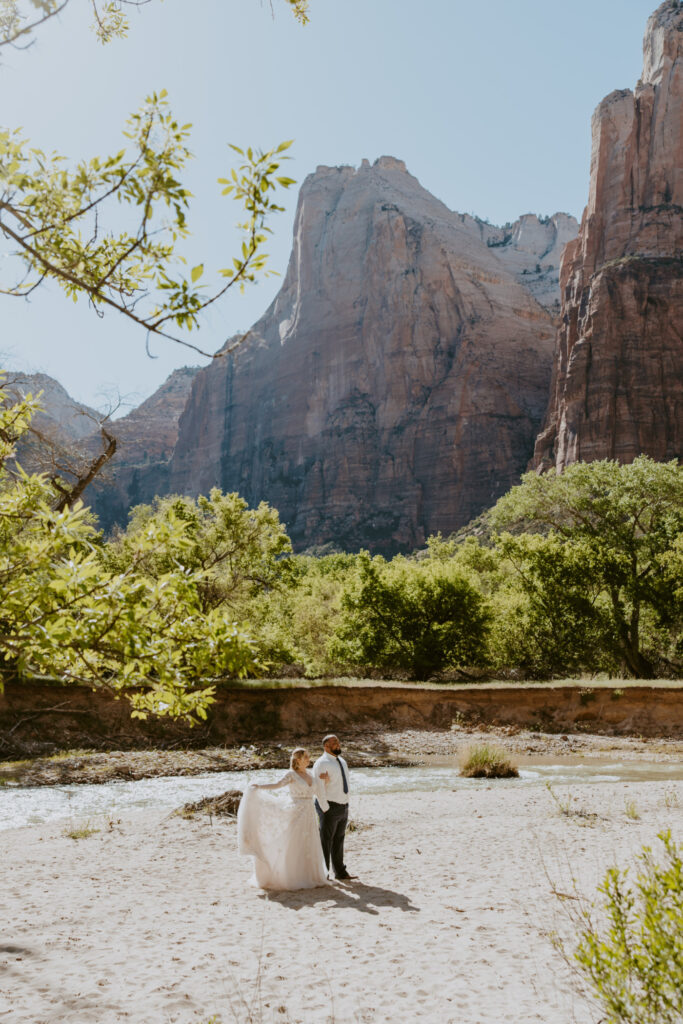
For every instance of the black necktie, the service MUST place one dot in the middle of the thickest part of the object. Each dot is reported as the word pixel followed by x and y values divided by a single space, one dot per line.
pixel 344 782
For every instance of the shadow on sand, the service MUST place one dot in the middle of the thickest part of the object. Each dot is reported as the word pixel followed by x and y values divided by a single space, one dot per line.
pixel 368 899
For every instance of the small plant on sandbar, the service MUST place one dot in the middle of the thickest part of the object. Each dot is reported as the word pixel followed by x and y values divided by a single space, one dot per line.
pixel 484 761
pixel 565 808
pixel 670 799
pixel 80 831
pixel 631 810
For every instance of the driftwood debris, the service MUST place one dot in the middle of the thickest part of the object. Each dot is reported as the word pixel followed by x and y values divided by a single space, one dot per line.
pixel 223 806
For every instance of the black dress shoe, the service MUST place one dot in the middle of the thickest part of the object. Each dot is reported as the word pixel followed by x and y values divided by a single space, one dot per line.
pixel 345 877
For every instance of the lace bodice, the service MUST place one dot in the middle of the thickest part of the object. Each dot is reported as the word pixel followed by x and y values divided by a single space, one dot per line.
pixel 299 788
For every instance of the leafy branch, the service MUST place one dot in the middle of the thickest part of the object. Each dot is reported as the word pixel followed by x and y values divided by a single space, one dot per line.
pixel 18 21
pixel 52 218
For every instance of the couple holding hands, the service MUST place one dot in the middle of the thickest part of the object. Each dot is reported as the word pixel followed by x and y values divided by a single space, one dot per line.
pixel 293 841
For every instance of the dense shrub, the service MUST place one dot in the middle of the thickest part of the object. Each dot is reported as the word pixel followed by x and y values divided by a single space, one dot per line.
pixel 421 617
pixel 294 624
pixel 631 955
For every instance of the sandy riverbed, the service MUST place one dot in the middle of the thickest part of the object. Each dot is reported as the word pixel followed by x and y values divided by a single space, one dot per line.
pixel 150 920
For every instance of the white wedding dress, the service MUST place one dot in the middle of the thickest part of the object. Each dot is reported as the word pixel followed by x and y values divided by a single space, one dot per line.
pixel 280 832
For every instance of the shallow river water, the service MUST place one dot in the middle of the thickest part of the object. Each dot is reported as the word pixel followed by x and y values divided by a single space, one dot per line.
pixel 43 804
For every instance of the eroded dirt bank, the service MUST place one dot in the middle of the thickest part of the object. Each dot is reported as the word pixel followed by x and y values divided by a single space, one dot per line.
pixel 382 724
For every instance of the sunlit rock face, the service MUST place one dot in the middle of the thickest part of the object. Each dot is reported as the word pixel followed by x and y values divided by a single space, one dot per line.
pixel 396 384
pixel 617 386
pixel 531 249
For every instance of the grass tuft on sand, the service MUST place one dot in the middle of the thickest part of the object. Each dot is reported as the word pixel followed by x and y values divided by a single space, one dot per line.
pixel 80 831
pixel 485 761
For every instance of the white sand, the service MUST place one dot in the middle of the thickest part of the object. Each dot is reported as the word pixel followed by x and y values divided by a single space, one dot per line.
pixel 153 922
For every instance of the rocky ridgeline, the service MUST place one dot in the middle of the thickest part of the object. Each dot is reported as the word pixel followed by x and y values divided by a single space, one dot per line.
pixel 60 414
pixel 531 249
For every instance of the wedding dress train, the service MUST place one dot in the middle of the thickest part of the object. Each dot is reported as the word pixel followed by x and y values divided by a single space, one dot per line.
pixel 280 832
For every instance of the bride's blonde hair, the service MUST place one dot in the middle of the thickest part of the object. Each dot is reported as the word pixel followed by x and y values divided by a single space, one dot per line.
pixel 296 757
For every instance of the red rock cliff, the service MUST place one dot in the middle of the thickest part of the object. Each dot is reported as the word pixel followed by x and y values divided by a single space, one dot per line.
pixel 617 386
pixel 145 440
pixel 397 383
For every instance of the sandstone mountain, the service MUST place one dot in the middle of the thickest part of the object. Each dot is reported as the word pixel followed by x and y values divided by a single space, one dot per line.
pixel 617 386
pixel 60 415
pixel 58 441
pixel 145 439
pixel 395 386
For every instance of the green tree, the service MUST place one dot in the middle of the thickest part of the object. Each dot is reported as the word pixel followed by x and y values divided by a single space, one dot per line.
pixel 557 622
pixel 542 617
pixel 413 616
pixel 64 613
pixel 238 551
pixel 153 625
pixel 632 957
pixel 620 524
pixel 295 623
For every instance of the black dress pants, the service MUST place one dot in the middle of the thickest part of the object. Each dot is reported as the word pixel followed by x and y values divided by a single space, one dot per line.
pixel 332 828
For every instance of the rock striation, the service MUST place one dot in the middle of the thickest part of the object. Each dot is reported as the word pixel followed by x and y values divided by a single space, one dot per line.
pixel 395 386
pixel 531 249
pixel 617 388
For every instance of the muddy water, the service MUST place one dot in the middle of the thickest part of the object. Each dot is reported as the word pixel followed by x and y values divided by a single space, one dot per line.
pixel 21 806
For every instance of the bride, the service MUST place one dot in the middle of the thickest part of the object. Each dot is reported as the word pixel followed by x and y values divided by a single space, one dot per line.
pixel 282 835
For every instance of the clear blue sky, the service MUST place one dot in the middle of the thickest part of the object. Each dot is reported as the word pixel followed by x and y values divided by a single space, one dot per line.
pixel 489 104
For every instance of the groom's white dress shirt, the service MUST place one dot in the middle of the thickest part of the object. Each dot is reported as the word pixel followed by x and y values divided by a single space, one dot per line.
pixel 334 789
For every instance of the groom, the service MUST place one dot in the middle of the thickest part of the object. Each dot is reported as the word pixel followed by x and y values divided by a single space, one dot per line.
pixel 333 820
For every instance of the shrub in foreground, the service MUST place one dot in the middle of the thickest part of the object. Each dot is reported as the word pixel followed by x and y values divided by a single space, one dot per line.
pixel 632 959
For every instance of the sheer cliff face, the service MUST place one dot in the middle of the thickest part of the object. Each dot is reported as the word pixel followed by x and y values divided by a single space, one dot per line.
pixel 618 378
pixel 395 386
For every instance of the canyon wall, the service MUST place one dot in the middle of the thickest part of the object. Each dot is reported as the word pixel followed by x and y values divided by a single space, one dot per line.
pixel 395 386
pixel 617 387
pixel 145 440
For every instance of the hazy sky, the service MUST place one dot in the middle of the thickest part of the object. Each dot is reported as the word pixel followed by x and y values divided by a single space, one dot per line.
pixel 489 104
